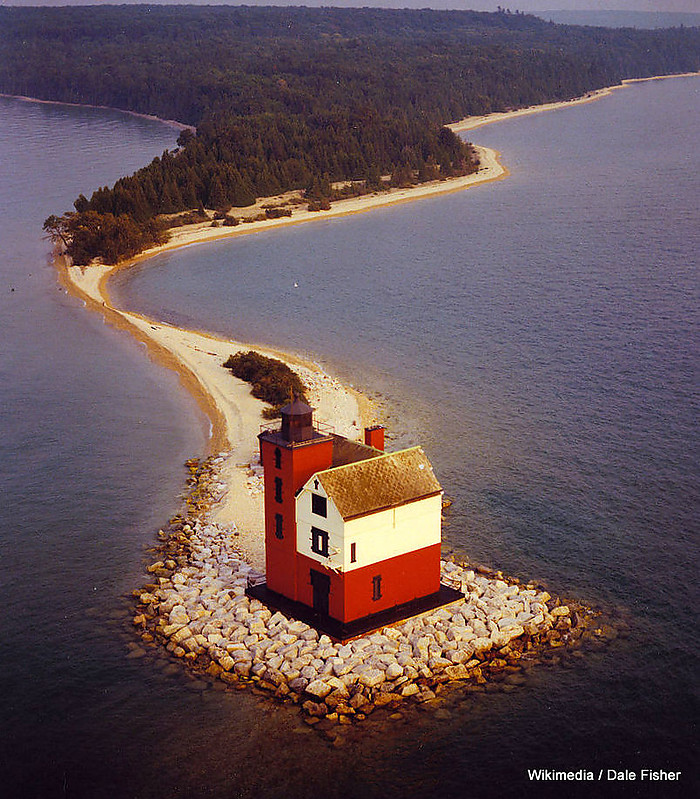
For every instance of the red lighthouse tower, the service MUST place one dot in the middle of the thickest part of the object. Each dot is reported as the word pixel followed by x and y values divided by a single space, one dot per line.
pixel 290 455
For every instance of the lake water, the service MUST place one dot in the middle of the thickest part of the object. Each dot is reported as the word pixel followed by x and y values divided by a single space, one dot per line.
pixel 539 337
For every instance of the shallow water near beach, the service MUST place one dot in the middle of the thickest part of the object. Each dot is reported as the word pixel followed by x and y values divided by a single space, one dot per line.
pixel 537 335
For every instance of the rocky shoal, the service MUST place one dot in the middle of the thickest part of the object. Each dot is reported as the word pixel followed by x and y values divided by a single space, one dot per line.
pixel 197 608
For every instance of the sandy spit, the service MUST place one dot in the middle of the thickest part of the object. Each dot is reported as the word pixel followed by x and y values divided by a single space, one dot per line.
pixel 471 123
pixel 197 357
pixel 235 414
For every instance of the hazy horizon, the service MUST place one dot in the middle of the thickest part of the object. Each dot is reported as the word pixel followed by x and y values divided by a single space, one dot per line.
pixel 532 6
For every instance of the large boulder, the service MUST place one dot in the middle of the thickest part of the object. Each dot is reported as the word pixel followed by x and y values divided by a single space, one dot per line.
pixel 318 689
pixel 178 615
pixel 372 677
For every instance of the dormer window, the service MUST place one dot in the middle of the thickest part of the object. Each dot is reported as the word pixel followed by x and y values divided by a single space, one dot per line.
pixel 319 505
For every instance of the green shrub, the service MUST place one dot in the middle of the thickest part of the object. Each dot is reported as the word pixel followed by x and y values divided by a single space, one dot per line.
pixel 188 218
pixel 319 205
pixel 277 213
pixel 272 381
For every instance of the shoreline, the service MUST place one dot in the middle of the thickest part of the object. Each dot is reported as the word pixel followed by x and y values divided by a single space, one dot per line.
pixel 472 123
pixel 234 414
pixel 467 123
pixel 490 169
pixel 173 123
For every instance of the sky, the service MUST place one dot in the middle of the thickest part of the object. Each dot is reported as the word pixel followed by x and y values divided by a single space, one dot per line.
pixel 533 6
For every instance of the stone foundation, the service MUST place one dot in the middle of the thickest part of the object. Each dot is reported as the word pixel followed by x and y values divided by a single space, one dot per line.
pixel 198 609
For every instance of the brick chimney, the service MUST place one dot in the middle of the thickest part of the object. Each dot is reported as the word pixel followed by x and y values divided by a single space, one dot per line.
pixel 374 436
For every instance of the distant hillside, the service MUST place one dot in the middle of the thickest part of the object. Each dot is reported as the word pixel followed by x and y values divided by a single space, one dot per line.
pixel 624 19
pixel 293 98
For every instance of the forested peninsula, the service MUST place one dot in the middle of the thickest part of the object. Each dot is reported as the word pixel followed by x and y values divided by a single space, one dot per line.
pixel 331 102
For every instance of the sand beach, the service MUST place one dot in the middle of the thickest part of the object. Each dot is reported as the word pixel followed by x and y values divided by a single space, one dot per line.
pixel 235 415
pixel 472 123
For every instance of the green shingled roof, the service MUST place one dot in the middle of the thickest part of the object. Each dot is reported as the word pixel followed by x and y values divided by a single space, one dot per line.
pixel 380 483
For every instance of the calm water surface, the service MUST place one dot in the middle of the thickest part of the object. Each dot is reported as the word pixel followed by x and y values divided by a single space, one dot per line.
pixel 539 336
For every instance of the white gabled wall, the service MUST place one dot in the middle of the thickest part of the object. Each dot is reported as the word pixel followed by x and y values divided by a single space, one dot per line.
pixel 377 536
pixel 393 532
pixel 332 523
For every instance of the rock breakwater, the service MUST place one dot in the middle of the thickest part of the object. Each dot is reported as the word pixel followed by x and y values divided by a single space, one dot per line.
pixel 197 608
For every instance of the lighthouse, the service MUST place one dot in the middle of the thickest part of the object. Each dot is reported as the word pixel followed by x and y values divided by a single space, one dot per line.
pixel 289 455
pixel 352 533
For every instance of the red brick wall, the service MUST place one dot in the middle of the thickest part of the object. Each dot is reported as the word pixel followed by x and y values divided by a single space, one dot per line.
pixel 336 601
pixel 405 577
pixel 297 464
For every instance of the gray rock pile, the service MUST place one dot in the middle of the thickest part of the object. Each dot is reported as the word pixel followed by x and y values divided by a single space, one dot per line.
pixel 197 607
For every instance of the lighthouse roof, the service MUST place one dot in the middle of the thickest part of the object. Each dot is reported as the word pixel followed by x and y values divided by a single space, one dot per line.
pixel 380 483
pixel 297 408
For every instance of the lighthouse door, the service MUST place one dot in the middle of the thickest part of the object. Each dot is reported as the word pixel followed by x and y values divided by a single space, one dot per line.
pixel 321 584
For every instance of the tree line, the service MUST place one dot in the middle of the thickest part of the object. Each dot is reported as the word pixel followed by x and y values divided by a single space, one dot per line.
pixel 298 98
pixel 233 160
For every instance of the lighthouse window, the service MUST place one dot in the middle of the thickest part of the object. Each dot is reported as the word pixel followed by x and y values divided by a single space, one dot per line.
pixel 319 505
pixel 319 542
pixel 278 458
pixel 353 552
pixel 278 489
pixel 278 526
pixel 377 587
